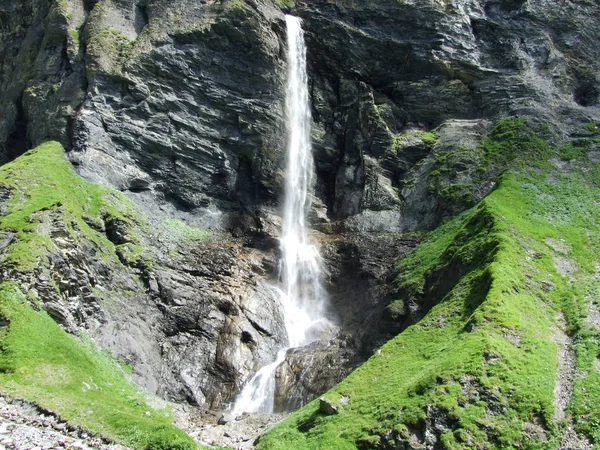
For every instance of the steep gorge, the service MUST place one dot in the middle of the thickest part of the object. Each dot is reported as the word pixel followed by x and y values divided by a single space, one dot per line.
pixel 179 106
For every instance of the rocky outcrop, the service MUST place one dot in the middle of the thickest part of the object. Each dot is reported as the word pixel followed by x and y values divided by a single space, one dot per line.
pixel 193 109
pixel 189 311
pixel 220 319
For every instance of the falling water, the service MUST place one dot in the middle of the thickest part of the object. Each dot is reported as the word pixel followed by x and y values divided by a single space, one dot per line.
pixel 302 296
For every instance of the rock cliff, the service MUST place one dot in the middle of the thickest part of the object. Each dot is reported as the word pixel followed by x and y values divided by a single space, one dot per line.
pixel 179 106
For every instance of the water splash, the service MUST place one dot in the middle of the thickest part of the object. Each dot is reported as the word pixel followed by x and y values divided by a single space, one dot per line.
pixel 302 296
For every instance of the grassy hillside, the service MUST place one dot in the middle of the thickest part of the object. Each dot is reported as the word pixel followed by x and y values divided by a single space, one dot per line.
pixel 515 282
pixel 39 361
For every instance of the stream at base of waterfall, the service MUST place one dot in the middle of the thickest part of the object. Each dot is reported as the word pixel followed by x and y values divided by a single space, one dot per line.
pixel 303 299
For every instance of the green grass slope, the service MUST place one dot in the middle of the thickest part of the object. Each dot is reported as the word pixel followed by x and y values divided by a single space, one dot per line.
pixel 507 279
pixel 42 181
pixel 39 361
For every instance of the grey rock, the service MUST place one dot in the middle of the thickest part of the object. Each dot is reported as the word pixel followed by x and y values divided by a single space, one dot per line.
pixel 309 371
pixel 225 419
pixel 327 407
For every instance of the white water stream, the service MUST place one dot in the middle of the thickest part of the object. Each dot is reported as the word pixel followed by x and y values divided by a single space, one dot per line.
pixel 302 296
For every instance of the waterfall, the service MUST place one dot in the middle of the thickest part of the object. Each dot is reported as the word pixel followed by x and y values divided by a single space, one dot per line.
pixel 302 297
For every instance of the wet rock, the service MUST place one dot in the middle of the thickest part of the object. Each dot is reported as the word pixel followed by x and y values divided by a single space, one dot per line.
pixel 309 371
pixel 360 267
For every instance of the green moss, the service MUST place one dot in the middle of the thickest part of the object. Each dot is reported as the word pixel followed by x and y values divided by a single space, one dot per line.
pixel 61 8
pixel 447 180
pixel 458 175
pixel 42 363
pixel 236 4
pixel 285 3
pixel 42 183
pixel 514 143
pixel 569 152
pixel 484 357
pixel 108 49
pixel 182 232
pixel 429 137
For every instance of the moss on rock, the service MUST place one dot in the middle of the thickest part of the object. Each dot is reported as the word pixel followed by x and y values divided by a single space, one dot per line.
pixel 42 180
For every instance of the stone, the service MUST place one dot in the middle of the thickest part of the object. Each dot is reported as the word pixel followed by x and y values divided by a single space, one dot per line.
pixel 327 407
pixel 225 418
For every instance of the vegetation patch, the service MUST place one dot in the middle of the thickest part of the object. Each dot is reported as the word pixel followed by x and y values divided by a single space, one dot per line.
pixel 108 49
pixel 110 43
pixel 429 138
pixel 570 152
pixel 459 177
pixel 43 181
pixel 40 362
pixel 514 143
pixel 180 231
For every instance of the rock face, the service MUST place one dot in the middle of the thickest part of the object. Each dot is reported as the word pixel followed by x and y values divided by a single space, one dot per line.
pixel 192 318
pixel 185 100
pixel 180 105
pixel 191 107
pixel 383 70
pixel 43 73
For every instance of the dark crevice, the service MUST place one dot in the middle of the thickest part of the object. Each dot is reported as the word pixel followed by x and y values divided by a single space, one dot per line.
pixel 66 68
pixel 141 18
pixel 586 94
pixel 137 189
pixel 246 182
pixel 247 338
pixel 70 131
pixel 226 307
pixel 18 142
pixel 260 329
pixel 88 5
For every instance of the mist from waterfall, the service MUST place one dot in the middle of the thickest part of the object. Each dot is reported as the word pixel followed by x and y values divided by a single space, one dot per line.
pixel 302 297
